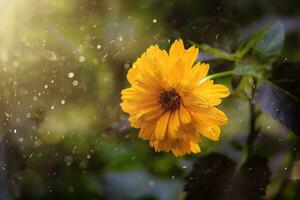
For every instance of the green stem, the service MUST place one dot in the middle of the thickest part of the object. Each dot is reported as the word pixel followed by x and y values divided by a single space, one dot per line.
pixel 254 131
pixel 217 75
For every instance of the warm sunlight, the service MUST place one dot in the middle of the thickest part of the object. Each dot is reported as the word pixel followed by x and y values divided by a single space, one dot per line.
pixel 149 99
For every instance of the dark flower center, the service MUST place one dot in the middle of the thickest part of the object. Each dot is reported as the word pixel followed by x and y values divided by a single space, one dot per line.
pixel 170 100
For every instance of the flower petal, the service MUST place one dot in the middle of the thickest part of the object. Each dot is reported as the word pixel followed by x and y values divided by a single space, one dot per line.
pixel 195 148
pixel 212 132
pixel 190 99
pixel 177 49
pixel 174 123
pixel 157 71
pixel 199 72
pixel 146 131
pixel 176 73
pixel 161 126
pixel 184 115
pixel 190 56
pixel 212 92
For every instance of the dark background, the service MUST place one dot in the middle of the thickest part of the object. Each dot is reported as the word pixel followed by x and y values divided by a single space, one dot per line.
pixel 63 135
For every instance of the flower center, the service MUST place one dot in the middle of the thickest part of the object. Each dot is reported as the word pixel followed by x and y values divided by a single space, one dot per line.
pixel 170 100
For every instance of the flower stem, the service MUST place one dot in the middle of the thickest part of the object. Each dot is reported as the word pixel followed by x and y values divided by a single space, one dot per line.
pixel 253 132
pixel 217 75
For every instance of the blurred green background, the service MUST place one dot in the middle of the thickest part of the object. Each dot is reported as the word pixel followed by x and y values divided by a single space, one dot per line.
pixel 63 64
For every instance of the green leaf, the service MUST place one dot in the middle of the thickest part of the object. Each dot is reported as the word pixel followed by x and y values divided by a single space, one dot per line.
pixel 249 44
pixel 249 69
pixel 252 68
pixel 286 76
pixel 271 43
pixel 280 105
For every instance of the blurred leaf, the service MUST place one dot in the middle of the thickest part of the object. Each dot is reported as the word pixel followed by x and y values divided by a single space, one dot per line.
pixel 164 164
pixel 236 145
pixel 244 88
pixel 139 184
pixel 272 42
pixel 291 85
pixel 209 178
pixel 252 179
pixel 252 67
pixel 267 43
pixel 279 104
pixel 249 69
pixel 287 76
pixel 249 44
pixel 214 178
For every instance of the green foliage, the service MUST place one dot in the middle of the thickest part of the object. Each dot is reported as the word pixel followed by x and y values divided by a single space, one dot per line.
pixel 63 64
pixel 254 64
pixel 255 58
pixel 271 43
pixel 279 104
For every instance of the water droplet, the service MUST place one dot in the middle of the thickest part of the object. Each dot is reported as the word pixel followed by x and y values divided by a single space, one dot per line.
pixel 98 46
pixel 154 21
pixel 151 183
pixel 62 102
pixel 68 160
pixel 71 189
pixel 71 75
pixel 126 65
pixel 75 83
pixel 49 55
pixel 81 59
pixel 16 64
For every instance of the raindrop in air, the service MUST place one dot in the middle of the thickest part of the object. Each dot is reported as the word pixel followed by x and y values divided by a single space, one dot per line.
pixel 71 75
pixel 81 59
pixel 75 83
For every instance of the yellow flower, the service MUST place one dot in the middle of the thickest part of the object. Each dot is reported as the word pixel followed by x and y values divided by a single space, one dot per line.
pixel 168 101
